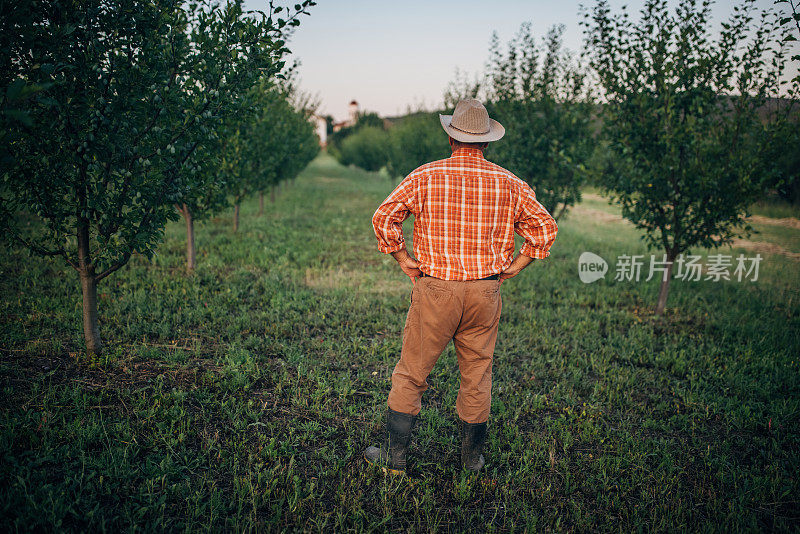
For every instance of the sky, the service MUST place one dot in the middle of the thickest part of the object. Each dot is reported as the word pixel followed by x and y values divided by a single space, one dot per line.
pixel 392 56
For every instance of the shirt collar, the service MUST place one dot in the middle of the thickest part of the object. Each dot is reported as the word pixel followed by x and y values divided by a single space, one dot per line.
pixel 467 151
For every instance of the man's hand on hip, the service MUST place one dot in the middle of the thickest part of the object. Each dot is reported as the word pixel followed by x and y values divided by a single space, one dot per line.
pixel 519 263
pixel 409 265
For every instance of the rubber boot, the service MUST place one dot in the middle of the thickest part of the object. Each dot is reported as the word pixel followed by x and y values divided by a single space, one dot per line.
pixel 473 436
pixel 392 453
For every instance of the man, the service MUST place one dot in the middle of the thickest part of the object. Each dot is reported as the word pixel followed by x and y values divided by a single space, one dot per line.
pixel 466 210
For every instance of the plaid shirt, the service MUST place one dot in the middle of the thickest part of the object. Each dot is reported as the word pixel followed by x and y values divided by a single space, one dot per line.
pixel 465 212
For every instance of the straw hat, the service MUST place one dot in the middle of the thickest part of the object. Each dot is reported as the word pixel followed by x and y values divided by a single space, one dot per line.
pixel 470 123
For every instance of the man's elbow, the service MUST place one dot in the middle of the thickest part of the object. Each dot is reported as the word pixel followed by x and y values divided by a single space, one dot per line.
pixel 377 220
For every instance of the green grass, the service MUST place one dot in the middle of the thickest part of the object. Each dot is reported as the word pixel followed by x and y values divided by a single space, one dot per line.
pixel 240 397
pixel 776 208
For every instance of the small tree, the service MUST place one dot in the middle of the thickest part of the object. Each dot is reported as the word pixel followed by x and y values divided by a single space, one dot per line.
pixel 134 93
pixel 272 142
pixel 206 195
pixel 300 142
pixel 781 149
pixel 299 139
pixel 540 95
pixel 414 140
pixel 336 139
pixel 366 148
pixel 681 119
pixel 203 191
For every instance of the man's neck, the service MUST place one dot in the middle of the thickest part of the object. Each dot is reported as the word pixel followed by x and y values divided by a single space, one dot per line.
pixel 467 150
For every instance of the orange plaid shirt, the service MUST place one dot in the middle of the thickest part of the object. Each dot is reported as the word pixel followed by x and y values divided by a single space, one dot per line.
pixel 466 210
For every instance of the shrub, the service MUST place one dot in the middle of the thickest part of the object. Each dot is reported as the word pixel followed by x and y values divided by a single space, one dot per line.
pixel 366 148
pixel 416 139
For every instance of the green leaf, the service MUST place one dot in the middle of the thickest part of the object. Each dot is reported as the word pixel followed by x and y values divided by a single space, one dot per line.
pixel 14 89
pixel 20 116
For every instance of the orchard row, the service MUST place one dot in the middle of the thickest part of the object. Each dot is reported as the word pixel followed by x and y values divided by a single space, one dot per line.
pixel 119 116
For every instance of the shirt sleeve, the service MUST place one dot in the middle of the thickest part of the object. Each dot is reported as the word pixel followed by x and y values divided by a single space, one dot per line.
pixel 388 218
pixel 534 224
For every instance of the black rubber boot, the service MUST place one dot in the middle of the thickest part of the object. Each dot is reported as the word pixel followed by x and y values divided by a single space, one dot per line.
pixel 392 454
pixel 473 436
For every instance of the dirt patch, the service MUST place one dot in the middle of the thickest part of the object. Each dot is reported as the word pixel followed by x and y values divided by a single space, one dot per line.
pixel 785 222
pixel 768 248
pixel 22 370
pixel 593 196
pixel 598 215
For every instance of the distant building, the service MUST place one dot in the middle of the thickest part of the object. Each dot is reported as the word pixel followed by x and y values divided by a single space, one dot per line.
pixel 352 118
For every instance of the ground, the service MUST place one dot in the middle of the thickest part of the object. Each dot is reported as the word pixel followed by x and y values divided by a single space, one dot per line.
pixel 241 396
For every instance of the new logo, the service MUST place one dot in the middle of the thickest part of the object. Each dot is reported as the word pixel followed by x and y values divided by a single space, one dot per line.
pixel 591 267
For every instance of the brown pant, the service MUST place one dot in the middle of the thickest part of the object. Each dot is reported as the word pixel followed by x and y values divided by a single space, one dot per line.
pixel 467 312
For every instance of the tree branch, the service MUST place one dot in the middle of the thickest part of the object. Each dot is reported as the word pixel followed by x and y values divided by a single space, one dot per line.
pixel 41 250
pixel 114 267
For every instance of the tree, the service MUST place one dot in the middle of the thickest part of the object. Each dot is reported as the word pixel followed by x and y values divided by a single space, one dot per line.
pixel 272 142
pixel 463 85
pixel 540 95
pixel 366 148
pixel 134 93
pixel 336 139
pixel 300 139
pixel 300 142
pixel 204 189
pixel 16 26
pixel 414 140
pixel 781 151
pixel 681 119
pixel 206 194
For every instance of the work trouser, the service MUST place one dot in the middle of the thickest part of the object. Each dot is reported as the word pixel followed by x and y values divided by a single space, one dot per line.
pixel 467 312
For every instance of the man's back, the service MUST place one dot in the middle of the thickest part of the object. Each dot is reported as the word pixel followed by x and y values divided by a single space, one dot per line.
pixel 466 209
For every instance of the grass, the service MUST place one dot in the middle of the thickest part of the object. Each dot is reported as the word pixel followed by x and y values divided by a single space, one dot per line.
pixel 776 208
pixel 240 397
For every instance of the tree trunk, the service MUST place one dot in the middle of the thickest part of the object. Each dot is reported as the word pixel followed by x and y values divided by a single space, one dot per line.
pixel 236 217
pixel 272 194
pixel 191 248
pixel 260 203
pixel 91 331
pixel 665 280
pixel 561 211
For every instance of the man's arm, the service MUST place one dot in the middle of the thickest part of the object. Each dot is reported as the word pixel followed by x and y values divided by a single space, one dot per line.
pixel 388 225
pixel 536 225
pixel 519 263
pixel 409 265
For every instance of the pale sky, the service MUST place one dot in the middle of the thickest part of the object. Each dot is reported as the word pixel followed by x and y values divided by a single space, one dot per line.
pixel 390 55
